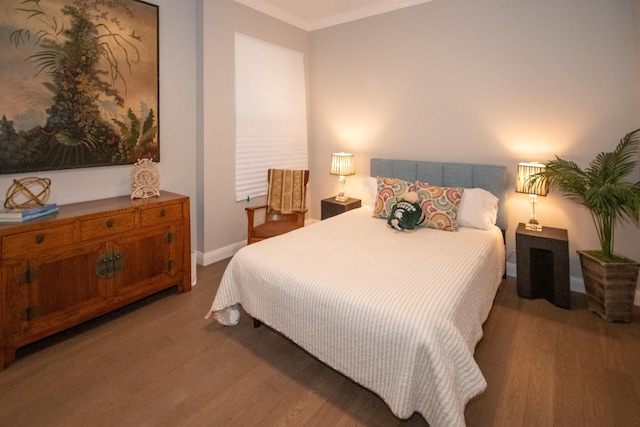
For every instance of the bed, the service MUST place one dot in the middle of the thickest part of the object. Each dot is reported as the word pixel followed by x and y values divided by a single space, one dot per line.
pixel 400 313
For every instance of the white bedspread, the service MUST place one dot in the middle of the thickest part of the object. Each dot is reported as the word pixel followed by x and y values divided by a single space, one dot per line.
pixel 399 313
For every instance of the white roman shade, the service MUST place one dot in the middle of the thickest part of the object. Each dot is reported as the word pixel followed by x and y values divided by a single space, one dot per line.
pixel 271 113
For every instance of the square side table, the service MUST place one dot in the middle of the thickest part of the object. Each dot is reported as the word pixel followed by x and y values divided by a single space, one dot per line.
pixel 543 264
pixel 332 207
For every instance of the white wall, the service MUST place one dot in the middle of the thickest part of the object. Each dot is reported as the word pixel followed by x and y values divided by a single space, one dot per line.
pixel 632 241
pixel 482 82
pixel 635 4
pixel 224 223
pixel 177 123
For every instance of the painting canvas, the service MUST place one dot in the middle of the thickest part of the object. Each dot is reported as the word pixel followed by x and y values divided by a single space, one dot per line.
pixel 78 84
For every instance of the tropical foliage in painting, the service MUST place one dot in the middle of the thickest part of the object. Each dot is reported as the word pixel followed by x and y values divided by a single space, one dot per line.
pixel 86 54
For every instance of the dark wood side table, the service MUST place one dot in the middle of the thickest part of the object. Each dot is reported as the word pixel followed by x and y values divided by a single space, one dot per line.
pixel 332 207
pixel 543 264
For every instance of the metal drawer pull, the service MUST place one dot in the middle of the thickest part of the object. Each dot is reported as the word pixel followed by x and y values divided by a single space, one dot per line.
pixel 110 223
pixel 109 264
pixel 40 238
pixel 163 212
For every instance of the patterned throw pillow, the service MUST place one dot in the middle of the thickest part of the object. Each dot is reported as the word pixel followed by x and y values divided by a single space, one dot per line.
pixel 440 205
pixel 388 191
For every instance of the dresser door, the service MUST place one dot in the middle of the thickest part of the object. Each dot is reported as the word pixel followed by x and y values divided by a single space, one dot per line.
pixel 46 292
pixel 149 261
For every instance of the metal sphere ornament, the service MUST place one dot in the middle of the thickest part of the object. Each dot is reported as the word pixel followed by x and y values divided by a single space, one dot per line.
pixel 27 193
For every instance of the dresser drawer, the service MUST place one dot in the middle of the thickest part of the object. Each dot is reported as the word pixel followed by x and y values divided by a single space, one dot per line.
pixel 160 214
pixel 107 225
pixel 35 242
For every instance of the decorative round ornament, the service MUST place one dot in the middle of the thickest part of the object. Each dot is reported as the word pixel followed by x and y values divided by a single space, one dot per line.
pixel 145 180
pixel 27 193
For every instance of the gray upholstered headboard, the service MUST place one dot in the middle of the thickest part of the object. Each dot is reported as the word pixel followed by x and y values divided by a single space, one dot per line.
pixel 490 177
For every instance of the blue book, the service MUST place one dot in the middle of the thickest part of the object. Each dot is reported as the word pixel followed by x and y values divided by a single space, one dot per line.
pixel 39 214
pixel 23 215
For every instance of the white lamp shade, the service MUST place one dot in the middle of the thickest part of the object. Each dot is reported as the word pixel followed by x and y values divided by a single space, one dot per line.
pixel 525 170
pixel 343 164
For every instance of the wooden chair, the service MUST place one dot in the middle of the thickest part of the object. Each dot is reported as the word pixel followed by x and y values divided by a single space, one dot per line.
pixel 286 205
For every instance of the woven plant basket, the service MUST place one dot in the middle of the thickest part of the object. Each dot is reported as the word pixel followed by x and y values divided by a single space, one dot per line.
pixel 610 287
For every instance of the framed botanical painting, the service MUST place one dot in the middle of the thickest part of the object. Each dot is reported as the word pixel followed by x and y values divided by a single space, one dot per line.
pixel 79 84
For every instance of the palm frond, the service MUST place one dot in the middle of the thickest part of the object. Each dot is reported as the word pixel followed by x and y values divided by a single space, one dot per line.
pixel 602 187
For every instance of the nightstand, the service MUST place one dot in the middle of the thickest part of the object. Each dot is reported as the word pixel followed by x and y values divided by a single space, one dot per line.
pixel 332 207
pixel 543 264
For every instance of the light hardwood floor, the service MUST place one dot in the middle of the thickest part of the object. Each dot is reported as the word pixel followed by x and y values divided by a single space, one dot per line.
pixel 160 363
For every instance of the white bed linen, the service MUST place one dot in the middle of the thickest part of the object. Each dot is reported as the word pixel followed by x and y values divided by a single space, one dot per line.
pixel 399 313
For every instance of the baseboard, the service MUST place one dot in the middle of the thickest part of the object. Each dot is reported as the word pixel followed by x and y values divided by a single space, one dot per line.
pixel 512 270
pixel 229 251
pixel 220 254
pixel 575 283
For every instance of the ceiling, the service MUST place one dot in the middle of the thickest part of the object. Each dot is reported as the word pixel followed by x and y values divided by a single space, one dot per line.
pixel 315 14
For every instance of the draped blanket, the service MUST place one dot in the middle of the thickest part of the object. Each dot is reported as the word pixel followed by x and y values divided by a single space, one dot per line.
pixel 286 191
pixel 399 313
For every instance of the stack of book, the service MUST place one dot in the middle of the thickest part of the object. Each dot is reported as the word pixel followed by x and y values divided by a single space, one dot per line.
pixel 27 214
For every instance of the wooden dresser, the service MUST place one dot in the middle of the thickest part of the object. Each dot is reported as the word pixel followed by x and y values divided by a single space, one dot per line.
pixel 88 259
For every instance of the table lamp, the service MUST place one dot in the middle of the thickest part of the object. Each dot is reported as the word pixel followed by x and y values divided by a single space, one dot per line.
pixel 342 164
pixel 540 188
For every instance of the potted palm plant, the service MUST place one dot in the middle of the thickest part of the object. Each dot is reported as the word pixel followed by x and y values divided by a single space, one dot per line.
pixel 604 188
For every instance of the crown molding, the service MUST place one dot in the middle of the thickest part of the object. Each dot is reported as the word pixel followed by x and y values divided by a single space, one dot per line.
pixel 376 8
pixel 276 12
pixel 364 12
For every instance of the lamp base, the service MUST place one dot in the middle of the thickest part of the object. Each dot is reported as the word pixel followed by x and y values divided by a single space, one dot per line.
pixel 533 223
pixel 533 226
pixel 341 197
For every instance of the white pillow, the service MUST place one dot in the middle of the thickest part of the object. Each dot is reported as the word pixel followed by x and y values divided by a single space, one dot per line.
pixel 370 184
pixel 478 209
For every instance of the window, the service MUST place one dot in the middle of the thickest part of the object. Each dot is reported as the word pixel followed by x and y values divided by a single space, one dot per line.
pixel 271 113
